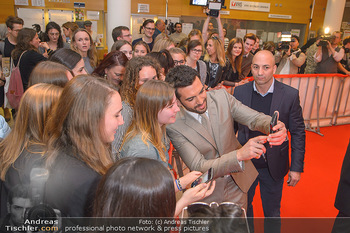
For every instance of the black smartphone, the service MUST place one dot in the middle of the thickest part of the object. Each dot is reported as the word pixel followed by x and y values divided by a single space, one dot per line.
pixel 274 121
pixel 204 178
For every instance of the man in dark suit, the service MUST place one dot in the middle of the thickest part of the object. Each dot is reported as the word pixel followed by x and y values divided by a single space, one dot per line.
pixel 203 135
pixel 342 203
pixel 267 95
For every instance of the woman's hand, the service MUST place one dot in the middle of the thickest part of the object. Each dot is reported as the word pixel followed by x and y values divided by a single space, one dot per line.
pixel 188 179
pixel 44 45
pixel 194 194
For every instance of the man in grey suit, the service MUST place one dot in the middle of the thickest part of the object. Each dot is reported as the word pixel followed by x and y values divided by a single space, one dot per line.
pixel 203 135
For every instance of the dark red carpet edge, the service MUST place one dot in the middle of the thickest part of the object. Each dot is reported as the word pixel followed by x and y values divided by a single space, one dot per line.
pixel 314 195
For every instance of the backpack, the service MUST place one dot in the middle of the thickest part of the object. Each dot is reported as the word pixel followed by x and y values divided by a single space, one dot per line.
pixel 15 90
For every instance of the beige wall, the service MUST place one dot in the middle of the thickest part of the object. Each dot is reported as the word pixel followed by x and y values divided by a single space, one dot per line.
pixel 7 7
pixel 299 9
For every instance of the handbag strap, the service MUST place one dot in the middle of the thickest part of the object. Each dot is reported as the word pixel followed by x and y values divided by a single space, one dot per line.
pixel 20 58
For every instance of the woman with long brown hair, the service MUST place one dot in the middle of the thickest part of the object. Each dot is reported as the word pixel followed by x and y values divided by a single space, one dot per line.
pixel 234 54
pixel 112 67
pixel 53 39
pixel 78 137
pixel 155 108
pixel 27 52
pixel 124 47
pixel 23 148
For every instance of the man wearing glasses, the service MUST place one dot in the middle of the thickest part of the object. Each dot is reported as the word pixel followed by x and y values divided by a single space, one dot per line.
pixel 121 33
pixel 14 25
pixel 148 29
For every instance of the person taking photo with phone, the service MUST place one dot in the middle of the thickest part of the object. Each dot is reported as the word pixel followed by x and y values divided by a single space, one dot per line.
pixel 154 108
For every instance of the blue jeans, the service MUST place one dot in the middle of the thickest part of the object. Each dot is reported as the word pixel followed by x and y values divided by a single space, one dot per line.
pixel 271 195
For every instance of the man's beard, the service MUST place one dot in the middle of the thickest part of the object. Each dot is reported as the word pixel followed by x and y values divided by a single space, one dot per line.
pixel 194 109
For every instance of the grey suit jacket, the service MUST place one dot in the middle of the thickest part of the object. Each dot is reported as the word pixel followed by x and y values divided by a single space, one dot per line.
pixel 200 151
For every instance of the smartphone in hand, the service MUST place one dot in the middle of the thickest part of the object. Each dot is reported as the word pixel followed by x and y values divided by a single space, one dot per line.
pixel 204 178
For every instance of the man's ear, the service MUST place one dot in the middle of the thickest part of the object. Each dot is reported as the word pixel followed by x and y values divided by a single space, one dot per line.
pixel 274 69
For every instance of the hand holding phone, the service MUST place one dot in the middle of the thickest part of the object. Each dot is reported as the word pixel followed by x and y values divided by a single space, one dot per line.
pixel 205 178
pixel 274 121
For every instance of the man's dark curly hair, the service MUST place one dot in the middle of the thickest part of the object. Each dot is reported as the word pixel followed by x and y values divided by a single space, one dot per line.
pixel 181 76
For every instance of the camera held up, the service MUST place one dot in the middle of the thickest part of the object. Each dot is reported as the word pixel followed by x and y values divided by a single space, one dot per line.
pixel 215 6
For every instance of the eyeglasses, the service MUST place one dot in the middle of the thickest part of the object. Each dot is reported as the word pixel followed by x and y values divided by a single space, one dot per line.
pixel 197 50
pixel 150 29
pixel 128 35
pixel 181 62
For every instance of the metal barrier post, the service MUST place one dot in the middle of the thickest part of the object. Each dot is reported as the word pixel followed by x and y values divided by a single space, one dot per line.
pixel 336 112
pixel 308 126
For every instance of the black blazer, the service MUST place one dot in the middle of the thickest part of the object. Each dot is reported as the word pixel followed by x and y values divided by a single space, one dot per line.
pixel 285 99
pixel 342 198
pixel 220 74
pixel 71 186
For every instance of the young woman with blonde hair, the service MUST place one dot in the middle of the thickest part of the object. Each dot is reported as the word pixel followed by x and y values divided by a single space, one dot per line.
pixel 79 137
pixel 216 62
pixel 83 44
pixel 161 44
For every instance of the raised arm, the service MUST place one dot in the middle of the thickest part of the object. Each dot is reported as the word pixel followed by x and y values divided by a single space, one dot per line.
pixel 220 28
pixel 205 30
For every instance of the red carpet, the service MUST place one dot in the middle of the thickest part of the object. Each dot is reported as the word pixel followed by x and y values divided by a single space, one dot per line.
pixel 315 193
